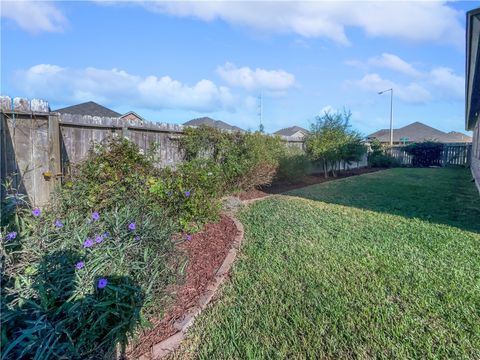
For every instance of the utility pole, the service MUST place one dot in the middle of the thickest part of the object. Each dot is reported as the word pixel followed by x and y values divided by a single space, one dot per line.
pixel 260 112
pixel 391 113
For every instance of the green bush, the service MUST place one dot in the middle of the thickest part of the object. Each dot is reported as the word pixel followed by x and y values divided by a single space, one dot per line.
pixel 293 166
pixel 246 159
pixel 378 158
pixel 51 295
pixel 190 194
pixel 52 305
pixel 112 172
pixel 426 153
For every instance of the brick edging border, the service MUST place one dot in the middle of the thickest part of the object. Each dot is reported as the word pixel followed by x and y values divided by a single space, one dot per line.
pixel 171 343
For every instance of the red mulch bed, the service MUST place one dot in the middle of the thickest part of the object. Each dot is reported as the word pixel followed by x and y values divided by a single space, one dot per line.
pixel 280 187
pixel 206 252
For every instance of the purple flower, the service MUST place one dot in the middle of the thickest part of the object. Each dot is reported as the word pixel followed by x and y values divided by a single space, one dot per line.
pixel 87 243
pixel 102 283
pixel 36 212
pixel 106 234
pixel 132 226
pixel 98 239
pixel 79 265
pixel 187 193
pixel 137 237
pixel 11 235
pixel 95 216
pixel 188 237
pixel 58 223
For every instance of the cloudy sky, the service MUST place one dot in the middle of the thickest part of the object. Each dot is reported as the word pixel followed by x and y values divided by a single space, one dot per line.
pixel 174 61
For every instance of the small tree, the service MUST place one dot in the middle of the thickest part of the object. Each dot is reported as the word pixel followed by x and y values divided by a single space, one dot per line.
pixel 331 140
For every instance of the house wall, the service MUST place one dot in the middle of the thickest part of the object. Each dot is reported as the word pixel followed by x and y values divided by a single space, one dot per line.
pixel 475 163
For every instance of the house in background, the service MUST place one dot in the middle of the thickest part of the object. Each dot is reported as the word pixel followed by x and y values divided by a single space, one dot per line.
pixel 472 99
pixel 217 124
pixel 418 132
pixel 133 118
pixel 89 108
pixel 293 131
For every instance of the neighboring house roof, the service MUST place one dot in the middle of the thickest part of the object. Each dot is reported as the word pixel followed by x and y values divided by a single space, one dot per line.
pixel 132 116
pixel 218 124
pixel 417 132
pixel 89 108
pixel 456 137
pixel 472 80
pixel 291 131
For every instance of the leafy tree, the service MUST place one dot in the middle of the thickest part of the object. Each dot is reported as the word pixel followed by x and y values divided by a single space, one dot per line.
pixel 332 140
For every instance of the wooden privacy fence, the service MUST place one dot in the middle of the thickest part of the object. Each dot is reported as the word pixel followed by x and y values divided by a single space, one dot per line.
pixel 37 146
pixel 452 155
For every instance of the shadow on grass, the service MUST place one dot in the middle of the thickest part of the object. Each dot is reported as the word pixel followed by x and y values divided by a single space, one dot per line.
pixel 439 195
pixel 56 321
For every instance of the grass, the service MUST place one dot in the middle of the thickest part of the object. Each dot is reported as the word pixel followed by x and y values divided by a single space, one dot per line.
pixel 316 279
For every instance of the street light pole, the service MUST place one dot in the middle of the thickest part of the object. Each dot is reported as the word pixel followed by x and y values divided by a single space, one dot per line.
pixel 391 113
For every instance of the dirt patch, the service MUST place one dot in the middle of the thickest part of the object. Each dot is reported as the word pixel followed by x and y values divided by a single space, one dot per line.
pixel 252 194
pixel 206 252
pixel 281 187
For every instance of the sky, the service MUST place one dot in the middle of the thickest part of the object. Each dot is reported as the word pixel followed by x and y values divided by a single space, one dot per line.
pixel 174 61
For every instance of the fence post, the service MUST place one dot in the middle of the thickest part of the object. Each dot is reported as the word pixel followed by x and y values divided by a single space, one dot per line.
pixel 444 155
pixel 54 166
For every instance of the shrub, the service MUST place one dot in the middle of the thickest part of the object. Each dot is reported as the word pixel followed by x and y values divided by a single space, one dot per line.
pixel 378 158
pixel 424 154
pixel 190 193
pixel 112 172
pixel 246 159
pixel 293 166
pixel 103 224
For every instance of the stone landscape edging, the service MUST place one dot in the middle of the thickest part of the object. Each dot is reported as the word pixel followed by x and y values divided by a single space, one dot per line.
pixel 171 343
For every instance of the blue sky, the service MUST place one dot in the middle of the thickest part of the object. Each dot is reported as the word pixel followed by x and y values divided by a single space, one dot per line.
pixel 171 62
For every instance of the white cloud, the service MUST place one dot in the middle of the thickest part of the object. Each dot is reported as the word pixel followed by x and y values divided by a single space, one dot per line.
pixel 411 21
pixel 34 16
pixel 447 83
pixel 393 62
pixel 412 93
pixel 275 80
pixel 437 83
pixel 117 86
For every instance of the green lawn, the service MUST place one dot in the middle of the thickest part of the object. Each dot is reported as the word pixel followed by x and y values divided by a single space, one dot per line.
pixel 393 272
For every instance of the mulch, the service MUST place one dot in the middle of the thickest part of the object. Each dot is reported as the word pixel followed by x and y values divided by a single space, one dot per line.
pixel 280 187
pixel 206 253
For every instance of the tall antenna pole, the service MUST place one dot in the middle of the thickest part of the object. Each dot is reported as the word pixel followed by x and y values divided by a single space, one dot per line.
pixel 260 111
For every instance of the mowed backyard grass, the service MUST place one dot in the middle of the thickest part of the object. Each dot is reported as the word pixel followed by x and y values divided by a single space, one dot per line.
pixel 383 265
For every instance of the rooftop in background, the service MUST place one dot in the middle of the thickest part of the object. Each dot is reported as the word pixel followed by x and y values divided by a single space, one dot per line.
pixel 217 124
pixel 89 108
pixel 292 131
pixel 418 132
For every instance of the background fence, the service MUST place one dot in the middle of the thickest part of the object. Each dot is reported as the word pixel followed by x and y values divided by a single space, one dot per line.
pixel 452 155
pixel 37 146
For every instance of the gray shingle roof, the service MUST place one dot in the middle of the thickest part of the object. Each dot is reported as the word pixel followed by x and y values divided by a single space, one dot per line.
pixel 417 132
pixel 290 131
pixel 218 124
pixel 89 108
